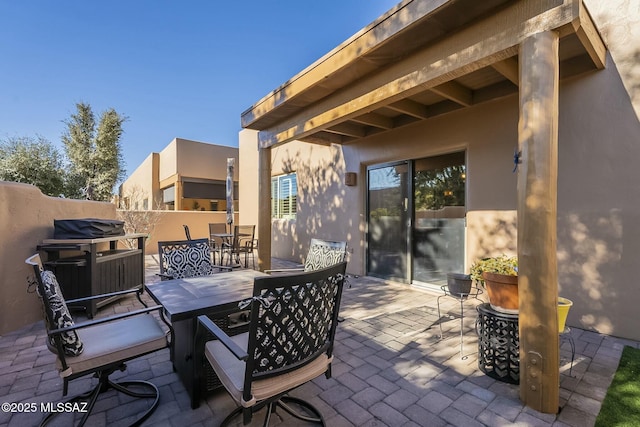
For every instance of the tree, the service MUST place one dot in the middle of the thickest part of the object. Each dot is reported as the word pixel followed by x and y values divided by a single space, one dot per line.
pixel 33 161
pixel 137 218
pixel 95 154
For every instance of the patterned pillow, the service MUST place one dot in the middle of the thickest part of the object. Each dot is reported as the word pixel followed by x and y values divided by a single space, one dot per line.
pixel 61 317
pixel 189 261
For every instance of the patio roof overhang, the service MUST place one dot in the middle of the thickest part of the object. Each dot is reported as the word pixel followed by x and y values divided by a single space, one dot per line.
pixel 425 58
pixel 419 60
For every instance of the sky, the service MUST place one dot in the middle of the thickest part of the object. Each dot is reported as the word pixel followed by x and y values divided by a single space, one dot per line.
pixel 174 68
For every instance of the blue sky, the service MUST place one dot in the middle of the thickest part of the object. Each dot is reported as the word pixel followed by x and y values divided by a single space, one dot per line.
pixel 183 69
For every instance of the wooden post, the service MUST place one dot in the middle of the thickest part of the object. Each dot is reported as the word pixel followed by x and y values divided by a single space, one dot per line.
pixel 264 209
pixel 537 217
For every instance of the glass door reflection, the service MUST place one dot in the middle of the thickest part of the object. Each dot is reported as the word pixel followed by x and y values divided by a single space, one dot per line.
pixel 387 249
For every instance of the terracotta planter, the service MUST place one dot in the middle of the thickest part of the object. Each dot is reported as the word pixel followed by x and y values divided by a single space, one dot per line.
pixel 459 283
pixel 503 292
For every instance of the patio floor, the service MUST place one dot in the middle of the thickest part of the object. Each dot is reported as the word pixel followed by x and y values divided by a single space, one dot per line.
pixel 390 369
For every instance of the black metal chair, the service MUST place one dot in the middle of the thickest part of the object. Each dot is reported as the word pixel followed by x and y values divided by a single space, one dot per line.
pixel 216 242
pixel 243 243
pixel 186 258
pixel 100 346
pixel 290 340
pixel 187 233
pixel 322 253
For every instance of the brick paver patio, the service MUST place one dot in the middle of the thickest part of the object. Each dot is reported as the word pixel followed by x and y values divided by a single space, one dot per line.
pixel 391 369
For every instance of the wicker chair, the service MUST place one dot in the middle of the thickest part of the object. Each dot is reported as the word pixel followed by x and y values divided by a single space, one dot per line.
pixel 186 258
pixel 98 347
pixel 292 327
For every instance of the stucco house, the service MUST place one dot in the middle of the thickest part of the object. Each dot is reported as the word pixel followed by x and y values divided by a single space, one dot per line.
pixel 185 175
pixel 446 131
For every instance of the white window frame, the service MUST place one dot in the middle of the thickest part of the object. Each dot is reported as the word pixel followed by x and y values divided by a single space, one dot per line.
pixel 284 196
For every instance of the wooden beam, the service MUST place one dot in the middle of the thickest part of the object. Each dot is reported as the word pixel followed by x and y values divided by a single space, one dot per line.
pixel 264 209
pixel 374 119
pixel 461 53
pixel 455 92
pixel 509 69
pixel 348 129
pixel 387 27
pixel 590 38
pixel 537 222
pixel 410 108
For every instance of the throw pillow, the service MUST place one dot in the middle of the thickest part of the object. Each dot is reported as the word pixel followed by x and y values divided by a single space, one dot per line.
pixel 61 316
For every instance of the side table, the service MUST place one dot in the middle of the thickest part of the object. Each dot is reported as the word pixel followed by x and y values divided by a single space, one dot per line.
pixel 498 344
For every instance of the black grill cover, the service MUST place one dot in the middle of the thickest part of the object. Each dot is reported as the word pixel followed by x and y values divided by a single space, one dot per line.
pixel 87 228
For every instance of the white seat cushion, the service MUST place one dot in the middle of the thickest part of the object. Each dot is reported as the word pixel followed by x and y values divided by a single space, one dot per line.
pixel 113 341
pixel 230 371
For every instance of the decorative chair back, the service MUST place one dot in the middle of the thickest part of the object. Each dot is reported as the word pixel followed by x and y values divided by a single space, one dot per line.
pixel 55 311
pixel 323 253
pixel 185 258
pixel 293 323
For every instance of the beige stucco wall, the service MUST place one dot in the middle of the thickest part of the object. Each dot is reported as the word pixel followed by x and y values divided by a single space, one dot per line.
pixel 170 226
pixel 598 195
pixel 26 218
pixel 200 160
pixel 143 183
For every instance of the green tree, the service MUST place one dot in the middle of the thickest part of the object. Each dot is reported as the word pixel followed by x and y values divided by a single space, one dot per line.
pixel 95 153
pixel 33 161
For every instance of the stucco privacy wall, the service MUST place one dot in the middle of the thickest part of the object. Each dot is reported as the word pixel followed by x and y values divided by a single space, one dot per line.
pixel 170 226
pixel 26 218
pixel 598 196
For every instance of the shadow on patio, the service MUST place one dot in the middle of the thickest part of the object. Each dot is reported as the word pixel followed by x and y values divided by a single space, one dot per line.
pixel 390 369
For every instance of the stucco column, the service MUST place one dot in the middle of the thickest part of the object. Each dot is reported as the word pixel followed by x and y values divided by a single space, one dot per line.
pixel 264 209
pixel 537 217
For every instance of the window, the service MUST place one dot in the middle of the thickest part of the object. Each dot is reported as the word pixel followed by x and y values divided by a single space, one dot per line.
pixel 284 195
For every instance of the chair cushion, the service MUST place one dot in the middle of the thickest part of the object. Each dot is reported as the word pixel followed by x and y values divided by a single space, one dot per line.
pixel 231 372
pixel 61 317
pixel 322 256
pixel 190 261
pixel 116 341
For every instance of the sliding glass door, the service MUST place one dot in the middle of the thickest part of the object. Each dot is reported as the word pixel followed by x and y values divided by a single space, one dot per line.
pixel 416 219
pixel 438 217
pixel 387 253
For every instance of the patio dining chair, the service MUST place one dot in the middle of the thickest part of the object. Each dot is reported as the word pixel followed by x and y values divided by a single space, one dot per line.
pixel 98 347
pixel 180 259
pixel 322 253
pixel 242 243
pixel 216 242
pixel 292 327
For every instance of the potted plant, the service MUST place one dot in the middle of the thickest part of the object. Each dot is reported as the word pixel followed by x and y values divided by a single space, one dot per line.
pixel 499 276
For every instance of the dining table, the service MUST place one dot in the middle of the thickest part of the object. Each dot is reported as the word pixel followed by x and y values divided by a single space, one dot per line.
pixel 183 300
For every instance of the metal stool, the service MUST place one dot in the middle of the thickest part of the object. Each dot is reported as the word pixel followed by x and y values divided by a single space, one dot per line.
pixel 566 335
pixel 462 297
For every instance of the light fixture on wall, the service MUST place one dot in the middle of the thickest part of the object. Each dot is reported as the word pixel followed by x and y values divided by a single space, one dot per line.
pixel 350 179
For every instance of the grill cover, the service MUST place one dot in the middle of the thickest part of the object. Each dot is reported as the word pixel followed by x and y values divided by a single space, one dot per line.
pixel 87 228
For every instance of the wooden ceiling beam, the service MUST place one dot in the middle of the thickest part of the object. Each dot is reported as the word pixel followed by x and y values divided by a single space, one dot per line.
pixel 348 129
pixel 458 54
pixel 590 38
pixel 375 120
pixel 509 69
pixel 411 108
pixel 455 92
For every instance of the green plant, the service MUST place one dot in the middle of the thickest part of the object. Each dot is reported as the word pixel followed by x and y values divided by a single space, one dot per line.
pixel 502 264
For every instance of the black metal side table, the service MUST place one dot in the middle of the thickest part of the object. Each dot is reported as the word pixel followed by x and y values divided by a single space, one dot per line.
pixel 498 344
